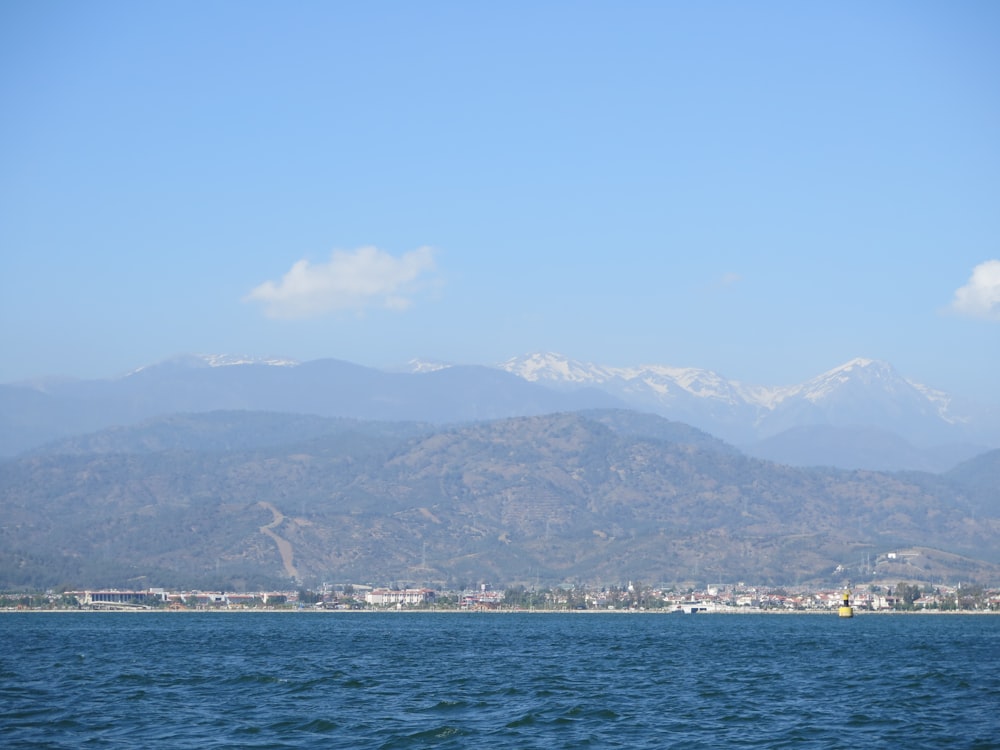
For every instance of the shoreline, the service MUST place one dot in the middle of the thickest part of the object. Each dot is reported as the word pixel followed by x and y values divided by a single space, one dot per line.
pixel 313 611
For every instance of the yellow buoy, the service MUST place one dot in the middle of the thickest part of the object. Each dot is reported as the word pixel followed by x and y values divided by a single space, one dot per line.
pixel 846 610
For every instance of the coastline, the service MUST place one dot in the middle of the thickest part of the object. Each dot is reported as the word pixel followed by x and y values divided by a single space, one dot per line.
pixel 581 612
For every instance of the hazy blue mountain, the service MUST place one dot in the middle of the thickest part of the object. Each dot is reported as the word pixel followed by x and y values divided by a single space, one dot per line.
pixel 857 448
pixel 643 425
pixel 980 478
pixel 34 414
pixel 222 431
pixel 860 392
pixel 981 472
pixel 860 415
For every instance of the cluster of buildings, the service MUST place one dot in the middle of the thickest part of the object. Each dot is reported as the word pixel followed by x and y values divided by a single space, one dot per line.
pixel 365 597
pixel 734 598
pixel 742 598
pixel 160 598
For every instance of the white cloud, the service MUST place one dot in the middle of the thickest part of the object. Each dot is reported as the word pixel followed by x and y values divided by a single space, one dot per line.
pixel 980 297
pixel 366 277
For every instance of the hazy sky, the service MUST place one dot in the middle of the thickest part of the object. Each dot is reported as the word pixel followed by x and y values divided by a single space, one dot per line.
pixel 762 189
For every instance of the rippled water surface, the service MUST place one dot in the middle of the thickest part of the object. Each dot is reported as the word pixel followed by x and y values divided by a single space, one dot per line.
pixel 455 680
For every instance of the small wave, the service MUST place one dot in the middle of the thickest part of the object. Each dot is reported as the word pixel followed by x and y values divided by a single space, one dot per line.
pixel 529 719
pixel 434 735
pixel 312 726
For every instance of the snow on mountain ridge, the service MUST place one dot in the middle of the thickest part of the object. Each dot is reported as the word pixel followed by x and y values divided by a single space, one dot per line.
pixel 660 379
pixel 663 379
pixel 859 392
pixel 418 366
pixel 662 383
pixel 941 401
pixel 555 367
pixel 668 389
pixel 863 370
pixel 706 384
pixel 216 360
pixel 229 360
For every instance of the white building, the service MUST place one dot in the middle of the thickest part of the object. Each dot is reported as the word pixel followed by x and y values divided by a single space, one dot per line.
pixel 383 597
pixel 109 597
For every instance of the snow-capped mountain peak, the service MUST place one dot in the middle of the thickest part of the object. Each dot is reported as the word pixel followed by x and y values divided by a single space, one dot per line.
pixel 858 371
pixel 859 391
pixel 552 367
pixel 663 380
pixel 215 360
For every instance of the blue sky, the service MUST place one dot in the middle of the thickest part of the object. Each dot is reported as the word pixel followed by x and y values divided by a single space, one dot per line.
pixel 762 189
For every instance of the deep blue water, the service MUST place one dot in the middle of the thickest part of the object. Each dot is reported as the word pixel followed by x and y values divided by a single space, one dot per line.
pixel 453 680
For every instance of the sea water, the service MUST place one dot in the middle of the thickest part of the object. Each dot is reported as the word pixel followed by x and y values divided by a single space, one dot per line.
pixel 528 680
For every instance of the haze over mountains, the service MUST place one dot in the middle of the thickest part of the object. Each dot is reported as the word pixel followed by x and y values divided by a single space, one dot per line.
pixel 862 414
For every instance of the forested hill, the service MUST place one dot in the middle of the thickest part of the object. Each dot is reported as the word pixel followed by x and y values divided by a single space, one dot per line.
pixel 229 500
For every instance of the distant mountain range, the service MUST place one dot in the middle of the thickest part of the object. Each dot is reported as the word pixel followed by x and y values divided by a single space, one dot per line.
pixel 860 415
pixel 862 392
pixel 32 414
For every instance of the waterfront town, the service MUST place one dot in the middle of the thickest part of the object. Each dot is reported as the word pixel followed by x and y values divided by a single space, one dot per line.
pixel 629 597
